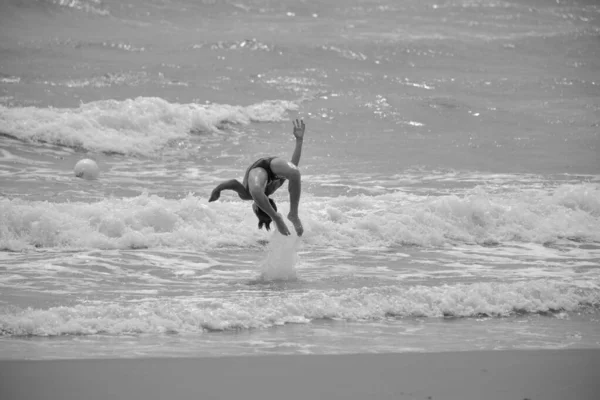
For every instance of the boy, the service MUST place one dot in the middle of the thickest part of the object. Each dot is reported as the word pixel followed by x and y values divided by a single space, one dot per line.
pixel 263 178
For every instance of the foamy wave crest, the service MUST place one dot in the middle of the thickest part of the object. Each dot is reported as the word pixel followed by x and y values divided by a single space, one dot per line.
pixel 9 79
pixel 136 126
pixel 112 45
pixel 349 54
pixel 189 315
pixel 118 79
pixel 89 6
pixel 246 44
pixel 570 212
pixel 481 216
pixel 140 222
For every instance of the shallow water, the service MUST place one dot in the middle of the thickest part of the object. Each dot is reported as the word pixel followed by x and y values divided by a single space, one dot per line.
pixel 451 179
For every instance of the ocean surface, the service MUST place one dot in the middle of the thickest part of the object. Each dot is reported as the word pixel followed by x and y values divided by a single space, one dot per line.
pixel 451 176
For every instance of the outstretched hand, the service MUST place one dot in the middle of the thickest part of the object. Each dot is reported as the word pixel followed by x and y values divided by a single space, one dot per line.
pixel 299 128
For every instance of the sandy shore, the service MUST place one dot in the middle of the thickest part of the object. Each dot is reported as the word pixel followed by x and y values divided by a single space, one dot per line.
pixel 477 375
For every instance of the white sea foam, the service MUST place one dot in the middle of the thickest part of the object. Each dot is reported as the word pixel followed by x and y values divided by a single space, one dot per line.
pixel 246 44
pixel 569 212
pixel 245 311
pixel 143 125
pixel 131 78
pixel 90 6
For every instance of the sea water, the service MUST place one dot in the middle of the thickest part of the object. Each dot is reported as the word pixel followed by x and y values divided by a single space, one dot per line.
pixel 450 176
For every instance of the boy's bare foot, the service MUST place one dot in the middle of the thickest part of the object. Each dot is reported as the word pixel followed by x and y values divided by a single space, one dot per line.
pixel 297 224
pixel 281 226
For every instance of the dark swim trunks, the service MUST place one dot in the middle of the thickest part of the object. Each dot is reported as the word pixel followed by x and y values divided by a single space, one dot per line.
pixel 264 163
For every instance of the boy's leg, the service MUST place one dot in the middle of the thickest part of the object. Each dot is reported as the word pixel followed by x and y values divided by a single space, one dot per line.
pixel 286 169
pixel 232 184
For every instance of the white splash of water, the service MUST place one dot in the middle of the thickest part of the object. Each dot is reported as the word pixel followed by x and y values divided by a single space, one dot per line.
pixel 281 259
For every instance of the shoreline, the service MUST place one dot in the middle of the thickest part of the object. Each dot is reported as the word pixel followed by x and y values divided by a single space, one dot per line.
pixel 468 375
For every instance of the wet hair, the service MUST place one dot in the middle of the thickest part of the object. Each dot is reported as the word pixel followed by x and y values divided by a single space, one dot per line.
pixel 263 217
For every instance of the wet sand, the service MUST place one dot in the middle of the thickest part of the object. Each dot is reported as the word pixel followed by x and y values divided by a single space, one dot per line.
pixel 474 375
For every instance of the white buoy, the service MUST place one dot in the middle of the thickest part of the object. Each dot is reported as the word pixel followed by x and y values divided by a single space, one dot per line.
pixel 86 169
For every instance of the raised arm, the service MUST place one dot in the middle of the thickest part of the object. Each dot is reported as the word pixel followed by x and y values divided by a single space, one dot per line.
pixel 299 128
